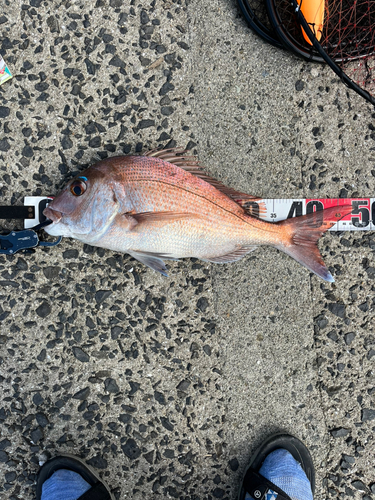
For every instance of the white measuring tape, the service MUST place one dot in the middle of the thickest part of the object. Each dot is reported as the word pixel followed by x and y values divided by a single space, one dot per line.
pixel 362 217
pixel 39 203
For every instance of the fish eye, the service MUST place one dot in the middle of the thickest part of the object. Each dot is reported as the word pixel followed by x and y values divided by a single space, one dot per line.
pixel 78 187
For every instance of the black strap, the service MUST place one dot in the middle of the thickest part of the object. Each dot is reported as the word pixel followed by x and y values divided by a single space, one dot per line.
pixel 96 492
pixel 17 212
pixel 259 487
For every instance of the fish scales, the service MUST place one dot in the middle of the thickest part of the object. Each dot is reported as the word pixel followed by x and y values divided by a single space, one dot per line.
pixel 182 191
pixel 157 186
pixel 152 183
pixel 153 209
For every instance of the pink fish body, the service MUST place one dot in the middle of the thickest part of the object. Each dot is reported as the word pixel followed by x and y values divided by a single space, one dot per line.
pixel 163 206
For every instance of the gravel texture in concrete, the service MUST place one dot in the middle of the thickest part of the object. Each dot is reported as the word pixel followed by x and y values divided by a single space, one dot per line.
pixel 167 385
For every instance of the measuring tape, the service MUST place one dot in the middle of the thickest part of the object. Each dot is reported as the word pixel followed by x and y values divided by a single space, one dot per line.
pixel 362 217
pixel 38 203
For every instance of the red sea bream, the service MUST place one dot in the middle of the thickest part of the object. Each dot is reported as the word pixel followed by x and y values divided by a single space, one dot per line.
pixel 163 206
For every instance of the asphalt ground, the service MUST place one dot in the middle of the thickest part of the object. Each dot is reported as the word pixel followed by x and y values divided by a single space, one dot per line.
pixel 167 385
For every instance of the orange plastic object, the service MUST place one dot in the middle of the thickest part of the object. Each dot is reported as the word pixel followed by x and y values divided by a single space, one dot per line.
pixel 313 12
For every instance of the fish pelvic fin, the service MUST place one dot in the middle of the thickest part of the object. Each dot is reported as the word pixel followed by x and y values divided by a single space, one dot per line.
pixel 302 234
pixel 152 261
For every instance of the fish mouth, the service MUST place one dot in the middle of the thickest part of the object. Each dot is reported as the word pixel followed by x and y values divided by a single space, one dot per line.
pixel 53 215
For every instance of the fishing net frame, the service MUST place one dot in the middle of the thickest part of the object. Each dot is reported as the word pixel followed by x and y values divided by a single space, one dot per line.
pixel 256 16
pixel 347 43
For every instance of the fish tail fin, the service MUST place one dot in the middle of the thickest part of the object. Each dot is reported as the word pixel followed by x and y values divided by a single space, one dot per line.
pixel 302 234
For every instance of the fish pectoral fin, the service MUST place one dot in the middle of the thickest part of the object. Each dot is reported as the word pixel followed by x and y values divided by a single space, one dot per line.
pixel 166 217
pixel 151 260
pixel 237 254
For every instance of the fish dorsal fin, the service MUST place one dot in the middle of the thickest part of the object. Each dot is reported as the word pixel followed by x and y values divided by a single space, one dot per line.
pixel 254 207
pixel 178 157
pixel 190 164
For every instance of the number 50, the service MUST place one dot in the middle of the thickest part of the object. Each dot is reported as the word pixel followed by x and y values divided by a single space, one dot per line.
pixel 360 207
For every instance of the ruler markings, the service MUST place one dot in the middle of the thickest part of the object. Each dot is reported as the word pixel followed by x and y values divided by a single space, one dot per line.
pixel 362 217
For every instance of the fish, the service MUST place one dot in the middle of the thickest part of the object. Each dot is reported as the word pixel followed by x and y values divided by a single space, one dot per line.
pixel 164 206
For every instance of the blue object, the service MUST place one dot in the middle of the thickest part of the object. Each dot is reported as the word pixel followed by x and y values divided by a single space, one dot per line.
pixel 64 485
pixel 284 471
pixel 18 240
pixel 22 240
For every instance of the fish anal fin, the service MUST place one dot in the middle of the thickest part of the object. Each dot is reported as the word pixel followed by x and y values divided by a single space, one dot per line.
pixel 237 254
pixel 302 234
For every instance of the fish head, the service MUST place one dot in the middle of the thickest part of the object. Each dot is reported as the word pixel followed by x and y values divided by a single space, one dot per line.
pixel 84 208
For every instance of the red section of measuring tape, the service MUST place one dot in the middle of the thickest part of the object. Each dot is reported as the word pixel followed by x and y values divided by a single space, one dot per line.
pixel 362 214
pixel 362 217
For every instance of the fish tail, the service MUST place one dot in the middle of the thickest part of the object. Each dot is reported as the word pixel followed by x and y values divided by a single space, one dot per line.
pixel 301 234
